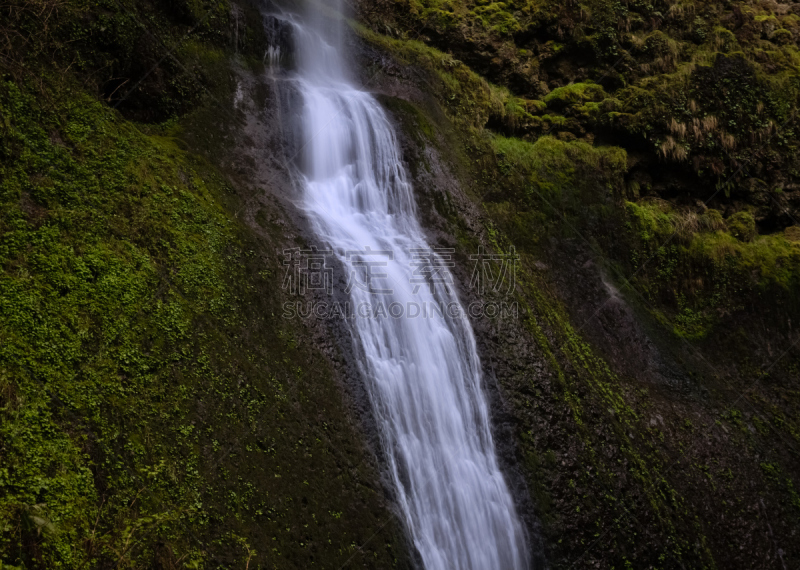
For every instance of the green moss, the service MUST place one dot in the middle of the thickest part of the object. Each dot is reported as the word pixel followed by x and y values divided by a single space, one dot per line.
pixel 497 19
pixel 573 94
pixel 724 40
pixel 513 112
pixel 659 44
pixel 112 246
pixel 712 220
pixel 657 79
pixel 742 226
pixel 562 172
pixel 766 18
pixel 155 408
pixel 704 262
pixel 469 98
pixel 652 220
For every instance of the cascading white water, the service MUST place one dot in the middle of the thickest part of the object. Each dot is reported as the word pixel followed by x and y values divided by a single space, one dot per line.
pixel 423 374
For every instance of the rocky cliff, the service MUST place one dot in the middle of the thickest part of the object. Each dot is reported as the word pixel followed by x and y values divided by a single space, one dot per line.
pixel 640 158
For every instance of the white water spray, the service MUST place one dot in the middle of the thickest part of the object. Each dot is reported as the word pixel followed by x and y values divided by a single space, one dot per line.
pixel 423 374
pixel 273 56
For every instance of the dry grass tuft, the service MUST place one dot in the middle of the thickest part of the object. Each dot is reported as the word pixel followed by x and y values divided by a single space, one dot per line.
pixel 672 149
pixel 677 129
pixel 727 140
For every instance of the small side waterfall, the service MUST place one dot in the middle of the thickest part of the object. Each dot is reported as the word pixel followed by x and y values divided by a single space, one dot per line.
pixel 423 374
pixel 273 55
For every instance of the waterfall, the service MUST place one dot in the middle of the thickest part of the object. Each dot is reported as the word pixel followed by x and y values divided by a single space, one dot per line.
pixel 423 374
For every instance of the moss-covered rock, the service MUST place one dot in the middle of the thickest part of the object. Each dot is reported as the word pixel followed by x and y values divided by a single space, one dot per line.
pixel 742 226
pixel 703 87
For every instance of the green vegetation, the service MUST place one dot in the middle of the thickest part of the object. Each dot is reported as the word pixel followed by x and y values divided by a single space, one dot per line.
pixel 703 101
pixel 742 226
pixel 711 90
pixel 569 95
pixel 608 144
pixel 686 251
pixel 153 406
pixel 112 248
pixel 155 410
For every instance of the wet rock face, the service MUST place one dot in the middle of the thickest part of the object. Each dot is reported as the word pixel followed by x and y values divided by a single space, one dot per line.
pixel 280 44
pixel 602 313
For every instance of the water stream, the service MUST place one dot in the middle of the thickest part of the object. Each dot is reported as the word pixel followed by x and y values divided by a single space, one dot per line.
pixel 423 374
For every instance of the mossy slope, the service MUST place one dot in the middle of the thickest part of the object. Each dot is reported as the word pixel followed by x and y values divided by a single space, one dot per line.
pixel 624 472
pixel 700 97
pixel 155 409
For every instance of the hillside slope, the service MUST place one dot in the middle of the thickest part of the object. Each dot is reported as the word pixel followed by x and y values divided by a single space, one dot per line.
pixel 648 391
pixel 155 409
pixel 703 98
